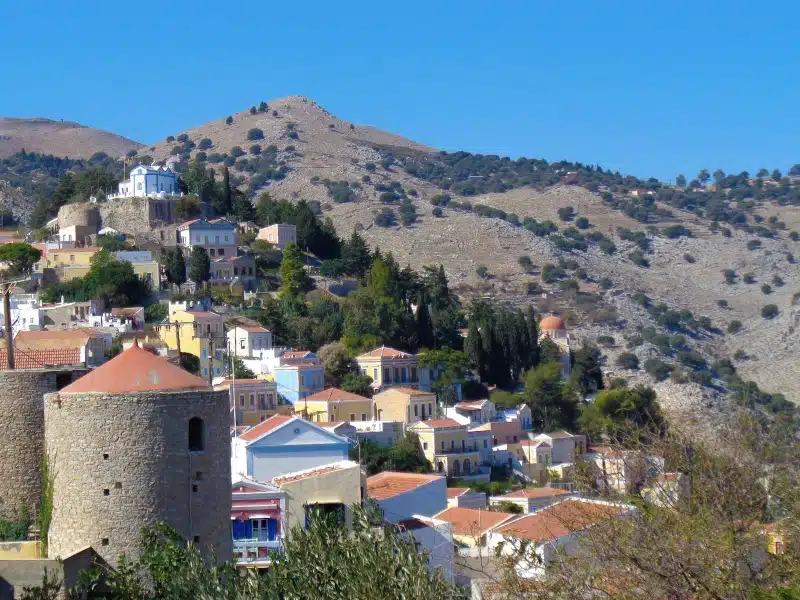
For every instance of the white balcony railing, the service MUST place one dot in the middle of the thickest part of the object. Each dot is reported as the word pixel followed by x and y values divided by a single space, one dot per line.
pixel 254 550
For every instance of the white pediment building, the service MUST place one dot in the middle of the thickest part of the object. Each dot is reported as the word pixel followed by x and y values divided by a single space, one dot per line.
pixel 148 181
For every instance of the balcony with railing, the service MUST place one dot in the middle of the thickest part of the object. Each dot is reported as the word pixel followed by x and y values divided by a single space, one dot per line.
pixel 253 550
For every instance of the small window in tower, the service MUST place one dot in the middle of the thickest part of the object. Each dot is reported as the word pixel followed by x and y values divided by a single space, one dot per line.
pixel 196 434
pixel 106 492
pixel 105 456
pixel 194 488
pixel 118 485
pixel 104 542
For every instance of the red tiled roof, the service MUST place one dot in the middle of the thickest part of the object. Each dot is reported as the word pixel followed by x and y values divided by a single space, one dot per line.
pixel 136 370
pixel 253 328
pixel 38 359
pixel 56 339
pixel 455 492
pixel 265 427
pixel 471 521
pixel 389 484
pixel 408 390
pixel 333 394
pixel 559 520
pixel 542 492
pixel 295 354
pixel 552 323
pixel 385 352
pixel 440 423
pixel 471 405
pixel 316 472
pixel 558 435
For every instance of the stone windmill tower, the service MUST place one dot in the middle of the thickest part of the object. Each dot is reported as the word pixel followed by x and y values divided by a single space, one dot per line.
pixel 134 442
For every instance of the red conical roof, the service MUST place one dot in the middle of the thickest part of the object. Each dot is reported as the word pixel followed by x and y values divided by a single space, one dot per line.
pixel 136 370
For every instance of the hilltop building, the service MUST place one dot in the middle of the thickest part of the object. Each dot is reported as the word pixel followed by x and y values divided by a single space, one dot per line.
pixel 278 235
pixel 554 329
pixel 148 181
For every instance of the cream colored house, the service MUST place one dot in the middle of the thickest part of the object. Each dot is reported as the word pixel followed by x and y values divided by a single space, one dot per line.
pixel 279 234
pixel 445 443
pixel 389 367
pixel 254 400
pixel 403 404
pixel 328 489
pixel 334 404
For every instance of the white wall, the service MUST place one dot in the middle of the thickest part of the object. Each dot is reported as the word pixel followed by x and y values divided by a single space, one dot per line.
pixel 265 466
pixel 426 500
pixel 437 541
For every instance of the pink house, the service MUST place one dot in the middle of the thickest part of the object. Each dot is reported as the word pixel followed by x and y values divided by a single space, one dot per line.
pixel 256 520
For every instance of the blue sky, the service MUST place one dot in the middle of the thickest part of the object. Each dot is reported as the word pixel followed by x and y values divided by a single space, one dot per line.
pixel 648 88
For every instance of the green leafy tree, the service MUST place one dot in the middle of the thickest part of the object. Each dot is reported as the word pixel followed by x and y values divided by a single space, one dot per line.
pixel 586 374
pixel 680 181
pixel 111 242
pixel 199 266
pixel 175 266
pixel 294 279
pixel 451 367
pixel 336 361
pixel 356 383
pixel 620 411
pixel 20 257
pixel 552 404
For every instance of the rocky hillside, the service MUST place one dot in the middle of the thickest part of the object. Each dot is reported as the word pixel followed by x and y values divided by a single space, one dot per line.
pixel 60 138
pixel 668 286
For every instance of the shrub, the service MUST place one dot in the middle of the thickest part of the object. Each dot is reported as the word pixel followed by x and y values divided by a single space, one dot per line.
pixel 777 281
pixel 749 278
pixel 533 287
pixel 641 299
pixel 237 151
pixel 605 340
pixel 566 213
pixel 255 134
pixel 569 285
pixel 692 359
pixel 340 192
pixel 370 166
pixel 770 311
pixel 582 223
pixel 730 276
pixel 689 258
pixel 607 246
pixel 637 258
pixel 676 231
pixel 552 273
pixel 794 236
pixel 754 244
pixel 293 135
pixel 274 113
pixel 657 368
pixel 408 214
pixel 628 360
pixel 437 212
pixel 482 271
pixel 386 218
pixel 255 149
pixel 201 156
pixel 606 283
pixel 183 138
pixel 722 303
pixel 790 258
pixel 739 354
pixel 170 138
pixel 734 326
pixel 229 120
pixel 205 144
pixel 766 288
pixel 525 262
pixel 262 107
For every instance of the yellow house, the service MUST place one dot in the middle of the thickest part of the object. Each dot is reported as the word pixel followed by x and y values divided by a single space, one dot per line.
pixel 199 333
pixel 334 404
pixel 387 367
pixel 404 404
pixel 446 445
pixel 71 263
pixel 256 400
pixel 329 489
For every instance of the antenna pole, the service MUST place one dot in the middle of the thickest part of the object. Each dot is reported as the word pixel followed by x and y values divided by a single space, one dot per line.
pixel 7 325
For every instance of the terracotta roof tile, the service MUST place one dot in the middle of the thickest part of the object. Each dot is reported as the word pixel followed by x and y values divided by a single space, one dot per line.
pixel 47 339
pixel 389 484
pixel 136 370
pixel 409 391
pixel 455 492
pixel 385 352
pixel 265 427
pixel 471 405
pixel 542 492
pixel 471 521
pixel 335 395
pixel 440 423
pixel 560 519
pixel 552 323
pixel 38 359
pixel 315 472
pixel 253 328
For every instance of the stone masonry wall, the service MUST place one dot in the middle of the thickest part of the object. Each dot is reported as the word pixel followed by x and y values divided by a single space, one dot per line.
pixel 126 215
pixel 22 438
pixel 78 214
pixel 122 462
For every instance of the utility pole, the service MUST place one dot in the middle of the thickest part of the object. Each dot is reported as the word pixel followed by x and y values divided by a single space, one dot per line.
pixel 6 290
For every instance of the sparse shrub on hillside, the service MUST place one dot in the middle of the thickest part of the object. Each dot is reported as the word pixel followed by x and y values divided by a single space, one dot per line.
pixel 689 258
pixel 262 107
pixel 331 126
pixel 606 283
pixel 255 149
pixel 582 223
pixel 437 211
pixel 569 286
pixel 205 144
pixel 722 303
pixel 749 278
pixel 552 273
pixel 253 110
pixel 637 258
pixel 215 157
pixel 739 354
pixel 730 276
pixel 274 113
pixel 145 160
pixel 735 326
pixel 229 161
pixel 754 244
pixel 170 138
pixel 676 231
pixel 525 262
pixel 237 151
pixel 131 153
pixel 413 193
pixel 228 120
pixel 370 166
pixel 766 288
pixel 408 213
pixel 607 246
pixel 532 287
pixel 637 237
pixel 770 311
pixel 790 258
pixel 201 156
pixel 641 299
pixel 340 192
pixel 183 138
pixel 175 151
pixel 606 341
pixel 692 359
pixel 386 218
pixel 566 213
pixel 289 148
pixel 794 236
pixel 777 281
pixel 255 134
pixel 293 135
pixel 482 271
pixel 387 163
pixel 657 368
pixel 352 126
pixel 628 360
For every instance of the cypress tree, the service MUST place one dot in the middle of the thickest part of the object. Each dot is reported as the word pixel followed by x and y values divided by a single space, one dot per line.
pixel 534 355
pixel 425 335
pixel 176 266
pixel 473 348
pixel 200 265
pixel 227 200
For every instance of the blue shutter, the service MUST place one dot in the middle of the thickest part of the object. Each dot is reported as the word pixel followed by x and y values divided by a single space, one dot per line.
pixel 272 530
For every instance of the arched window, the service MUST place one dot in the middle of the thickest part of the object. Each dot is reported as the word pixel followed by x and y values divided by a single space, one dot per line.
pixel 197 441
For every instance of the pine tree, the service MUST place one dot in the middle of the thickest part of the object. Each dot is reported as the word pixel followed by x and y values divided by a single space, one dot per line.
pixel 473 348
pixel 534 356
pixel 200 265
pixel 176 266
pixel 425 335
pixel 294 279
pixel 356 256
pixel 243 208
pixel 224 201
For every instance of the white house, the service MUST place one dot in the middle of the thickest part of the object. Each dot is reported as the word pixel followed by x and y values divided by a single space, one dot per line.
pixel 279 234
pixel 249 340
pixel 284 444
pixel 565 445
pixel 153 180
pixel 471 412
pixel 217 236
pixel 403 495
pixel 27 313
pixel 435 538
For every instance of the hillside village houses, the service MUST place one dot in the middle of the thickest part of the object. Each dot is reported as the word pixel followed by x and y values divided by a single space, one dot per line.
pixel 278 235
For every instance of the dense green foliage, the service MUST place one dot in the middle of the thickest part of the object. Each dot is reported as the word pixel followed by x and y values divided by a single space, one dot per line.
pixel 20 257
pixel 404 455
